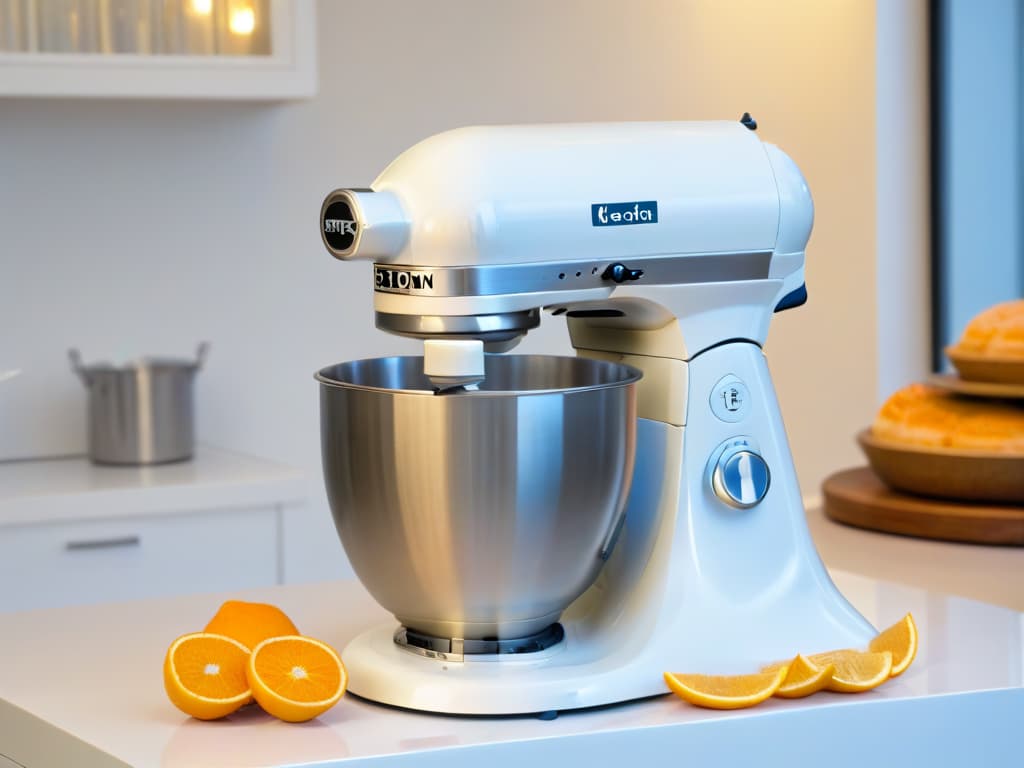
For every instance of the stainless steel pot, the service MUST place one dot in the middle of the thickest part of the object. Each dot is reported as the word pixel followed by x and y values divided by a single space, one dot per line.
pixel 478 515
pixel 140 413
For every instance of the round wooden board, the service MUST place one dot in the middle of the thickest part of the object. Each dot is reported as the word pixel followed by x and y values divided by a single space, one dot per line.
pixel 858 498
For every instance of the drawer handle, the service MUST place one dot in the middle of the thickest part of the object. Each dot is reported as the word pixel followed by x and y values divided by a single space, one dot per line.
pixel 112 543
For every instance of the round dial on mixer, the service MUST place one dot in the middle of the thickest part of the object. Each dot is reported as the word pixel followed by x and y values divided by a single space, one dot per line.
pixel 741 477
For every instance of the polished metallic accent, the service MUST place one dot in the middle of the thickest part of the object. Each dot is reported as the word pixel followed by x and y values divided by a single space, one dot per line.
pixel 457 648
pixel 141 413
pixel 343 196
pixel 741 477
pixel 491 329
pixel 536 277
pixel 478 514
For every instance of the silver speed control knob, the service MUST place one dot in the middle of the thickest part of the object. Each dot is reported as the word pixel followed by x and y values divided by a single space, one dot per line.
pixel 741 477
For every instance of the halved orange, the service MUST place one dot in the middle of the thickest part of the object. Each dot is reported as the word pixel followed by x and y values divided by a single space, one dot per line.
pixel 901 641
pixel 726 691
pixel 250 623
pixel 855 671
pixel 803 678
pixel 204 675
pixel 296 678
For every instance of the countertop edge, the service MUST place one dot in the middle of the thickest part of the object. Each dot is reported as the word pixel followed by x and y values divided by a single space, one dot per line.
pixel 247 481
pixel 30 741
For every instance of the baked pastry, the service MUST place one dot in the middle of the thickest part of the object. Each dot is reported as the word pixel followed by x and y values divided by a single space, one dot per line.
pixel 921 415
pixel 998 332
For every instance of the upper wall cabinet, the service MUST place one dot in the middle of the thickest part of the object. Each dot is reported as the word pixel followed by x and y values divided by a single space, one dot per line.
pixel 178 49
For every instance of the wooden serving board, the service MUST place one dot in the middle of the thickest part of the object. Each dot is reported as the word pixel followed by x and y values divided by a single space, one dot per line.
pixel 858 498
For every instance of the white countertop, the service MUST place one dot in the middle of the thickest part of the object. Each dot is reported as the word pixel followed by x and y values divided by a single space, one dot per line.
pixel 987 573
pixel 82 686
pixel 50 490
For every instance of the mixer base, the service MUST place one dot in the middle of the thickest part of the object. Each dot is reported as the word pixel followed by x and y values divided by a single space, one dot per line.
pixel 573 674
pixel 552 679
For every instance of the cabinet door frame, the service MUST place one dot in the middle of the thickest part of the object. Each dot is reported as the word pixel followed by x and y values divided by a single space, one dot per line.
pixel 288 73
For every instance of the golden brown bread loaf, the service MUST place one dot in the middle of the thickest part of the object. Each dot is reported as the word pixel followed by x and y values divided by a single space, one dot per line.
pixel 998 332
pixel 921 415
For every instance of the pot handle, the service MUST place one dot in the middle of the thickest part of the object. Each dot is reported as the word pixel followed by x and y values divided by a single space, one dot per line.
pixel 76 365
pixel 202 352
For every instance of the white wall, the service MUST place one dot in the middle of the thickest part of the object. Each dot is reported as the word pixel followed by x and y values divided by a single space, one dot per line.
pixel 902 207
pixel 131 228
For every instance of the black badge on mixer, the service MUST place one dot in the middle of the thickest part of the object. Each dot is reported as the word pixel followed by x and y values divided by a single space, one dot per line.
pixel 339 225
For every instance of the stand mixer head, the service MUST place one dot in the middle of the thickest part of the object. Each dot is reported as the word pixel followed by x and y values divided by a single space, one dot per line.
pixel 472 231
pixel 667 247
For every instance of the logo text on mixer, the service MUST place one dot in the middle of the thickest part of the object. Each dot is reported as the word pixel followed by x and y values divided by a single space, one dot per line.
pixel 402 280
pixel 339 226
pixel 621 214
pixel 342 226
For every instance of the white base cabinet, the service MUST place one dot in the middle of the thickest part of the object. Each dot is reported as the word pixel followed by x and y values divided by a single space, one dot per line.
pixel 72 533
pixel 59 564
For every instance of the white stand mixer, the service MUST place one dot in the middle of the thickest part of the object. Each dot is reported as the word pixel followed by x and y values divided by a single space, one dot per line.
pixel 667 247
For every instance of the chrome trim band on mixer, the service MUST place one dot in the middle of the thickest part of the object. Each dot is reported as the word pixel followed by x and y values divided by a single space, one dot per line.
pixel 456 648
pixel 535 277
pixel 503 326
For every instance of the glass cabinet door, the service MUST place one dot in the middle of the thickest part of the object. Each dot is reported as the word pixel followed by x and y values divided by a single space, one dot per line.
pixel 247 49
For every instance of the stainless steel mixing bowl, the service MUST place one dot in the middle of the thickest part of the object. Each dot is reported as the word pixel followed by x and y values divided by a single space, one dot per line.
pixel 478 514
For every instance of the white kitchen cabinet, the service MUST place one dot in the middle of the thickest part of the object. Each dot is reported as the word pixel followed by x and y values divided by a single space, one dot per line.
pixel 73 533
pixel 287 70
pixel 57 564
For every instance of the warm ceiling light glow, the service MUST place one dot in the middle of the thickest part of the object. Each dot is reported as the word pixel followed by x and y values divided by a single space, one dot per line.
pixel 243 21
pixel 202 7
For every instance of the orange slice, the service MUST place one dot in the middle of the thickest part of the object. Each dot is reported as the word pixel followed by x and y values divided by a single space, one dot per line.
pixel 204 675
pixel 901 641
pixel 803 678
pixel 855 671
pixel 296 678
pixel 726 691
pixel 250 623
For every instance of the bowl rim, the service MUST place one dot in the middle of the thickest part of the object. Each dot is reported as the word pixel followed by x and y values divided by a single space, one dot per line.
pixel 866 438
pixel 632 375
